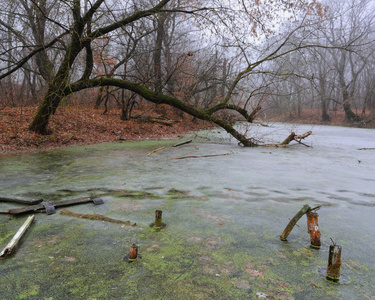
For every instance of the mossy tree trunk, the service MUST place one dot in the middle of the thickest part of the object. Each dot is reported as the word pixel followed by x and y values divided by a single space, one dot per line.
pixel 57 88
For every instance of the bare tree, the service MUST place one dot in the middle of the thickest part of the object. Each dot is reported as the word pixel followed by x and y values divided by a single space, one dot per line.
pixel 221 23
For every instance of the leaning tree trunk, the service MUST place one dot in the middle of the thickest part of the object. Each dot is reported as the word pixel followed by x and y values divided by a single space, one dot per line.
pixel 46 109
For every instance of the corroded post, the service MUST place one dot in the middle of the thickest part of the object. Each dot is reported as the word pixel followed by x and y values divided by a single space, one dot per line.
pixel 313 229
pixel 158 219
pixel 133 252
pixel 334 263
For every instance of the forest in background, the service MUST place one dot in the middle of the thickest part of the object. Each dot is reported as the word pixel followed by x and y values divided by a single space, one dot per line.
pixel 217 61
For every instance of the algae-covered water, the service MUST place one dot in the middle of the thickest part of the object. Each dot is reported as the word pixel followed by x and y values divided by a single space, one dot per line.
pixel 223 215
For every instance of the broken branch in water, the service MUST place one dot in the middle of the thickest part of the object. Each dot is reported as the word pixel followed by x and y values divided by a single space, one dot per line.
pixel 305 209
pixel 292 137
pixel 199 156
pixel 366 149
pixel 15 240
pixel 155 150
pixel 94 217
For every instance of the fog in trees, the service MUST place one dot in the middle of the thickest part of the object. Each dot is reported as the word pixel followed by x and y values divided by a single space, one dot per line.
pixel 219 61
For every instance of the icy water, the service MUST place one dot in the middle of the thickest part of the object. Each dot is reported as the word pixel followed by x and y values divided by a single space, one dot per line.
pixel 223 215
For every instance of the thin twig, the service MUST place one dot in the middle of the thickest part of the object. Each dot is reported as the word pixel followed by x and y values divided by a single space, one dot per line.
pixel 199 156
pixel 155 151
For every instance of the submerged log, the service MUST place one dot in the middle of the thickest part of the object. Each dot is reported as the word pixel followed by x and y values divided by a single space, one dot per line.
pixel 39 207
pixel 18 199
pixel 334 262
pixel 15 240
pixel 95 217
pixel 313 229
pixel 306 208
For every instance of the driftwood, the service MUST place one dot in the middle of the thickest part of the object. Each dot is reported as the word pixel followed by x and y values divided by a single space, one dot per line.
pixel 155 151
pixel 199 156
pixel 15 240
pixel 180 144
pixel 39 207
pixel 95 217
pixel 292 137
pixel 183 143
pixel 17 199
pixel 305 209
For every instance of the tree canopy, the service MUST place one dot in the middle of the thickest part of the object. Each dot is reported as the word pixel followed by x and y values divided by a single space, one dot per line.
pixel 206 58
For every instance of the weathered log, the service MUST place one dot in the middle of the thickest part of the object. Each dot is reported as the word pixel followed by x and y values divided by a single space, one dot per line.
pixel 306 208
pixel 334 262
pixel 18 199
pixel 62 203
pixel 163 121
pixel 313 229
pixel 290 138
pixel 15 240
pixel 158 219
pixel 95 217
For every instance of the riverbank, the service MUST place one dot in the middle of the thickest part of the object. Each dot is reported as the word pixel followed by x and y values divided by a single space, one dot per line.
pixel 83 126
pixel 76 125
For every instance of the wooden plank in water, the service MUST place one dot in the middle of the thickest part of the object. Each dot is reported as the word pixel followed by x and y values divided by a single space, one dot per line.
pixel 18 199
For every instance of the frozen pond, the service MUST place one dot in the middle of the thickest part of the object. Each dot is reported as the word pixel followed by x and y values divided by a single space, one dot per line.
pixel 224 216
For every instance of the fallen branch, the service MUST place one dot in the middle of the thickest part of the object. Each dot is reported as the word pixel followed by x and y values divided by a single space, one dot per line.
pixel 305 209
pixel 366 149
pixel 160 120
pixel 183 143
pixel 155 151
pixel 15 240
pixel 199 156
pixel 95 217
pixel 163 121
pixel 291 137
